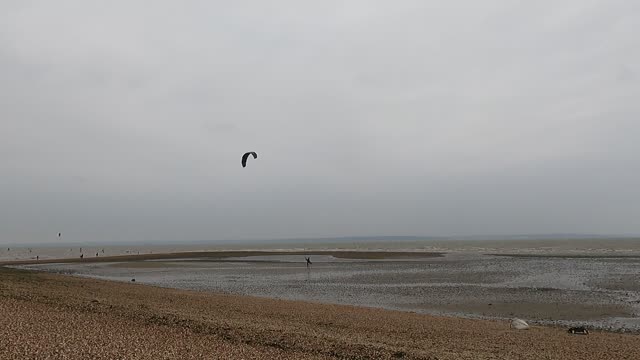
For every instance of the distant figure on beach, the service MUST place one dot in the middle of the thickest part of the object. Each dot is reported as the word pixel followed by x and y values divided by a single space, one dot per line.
pixel 81 256
pixel 308 261
pixel 37 257
pixel 59 234
pixel 96 254
pixel 103 251
pixel 8 249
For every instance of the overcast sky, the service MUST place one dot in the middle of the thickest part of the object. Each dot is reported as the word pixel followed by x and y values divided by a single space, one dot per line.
pixel 126 120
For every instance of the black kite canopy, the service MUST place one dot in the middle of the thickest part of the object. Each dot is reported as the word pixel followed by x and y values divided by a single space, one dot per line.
pixel 246 156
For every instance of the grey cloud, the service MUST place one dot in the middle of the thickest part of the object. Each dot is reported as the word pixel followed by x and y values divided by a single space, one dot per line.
pixel 124 121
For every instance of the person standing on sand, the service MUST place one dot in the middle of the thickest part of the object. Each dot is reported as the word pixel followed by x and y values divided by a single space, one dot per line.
pixel 37 257
pixel 81 256
pixel 308 261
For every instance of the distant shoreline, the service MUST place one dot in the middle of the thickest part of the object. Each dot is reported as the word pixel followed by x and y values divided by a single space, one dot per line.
pixel 355 254
pixel 347 254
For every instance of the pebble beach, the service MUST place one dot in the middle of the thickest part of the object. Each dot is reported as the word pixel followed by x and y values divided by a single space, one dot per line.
pixel 51 316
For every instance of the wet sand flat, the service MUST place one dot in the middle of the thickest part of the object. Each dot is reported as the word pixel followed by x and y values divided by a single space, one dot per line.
pixel 54 316
pixel 599 292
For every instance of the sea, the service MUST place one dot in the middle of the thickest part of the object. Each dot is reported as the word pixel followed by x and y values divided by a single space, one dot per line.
pixel 559 246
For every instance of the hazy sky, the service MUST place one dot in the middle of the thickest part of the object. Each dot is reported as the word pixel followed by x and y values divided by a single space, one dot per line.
pixel 126 120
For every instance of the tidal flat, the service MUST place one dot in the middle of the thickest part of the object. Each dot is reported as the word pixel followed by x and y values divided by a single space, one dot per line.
pixel 600 291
